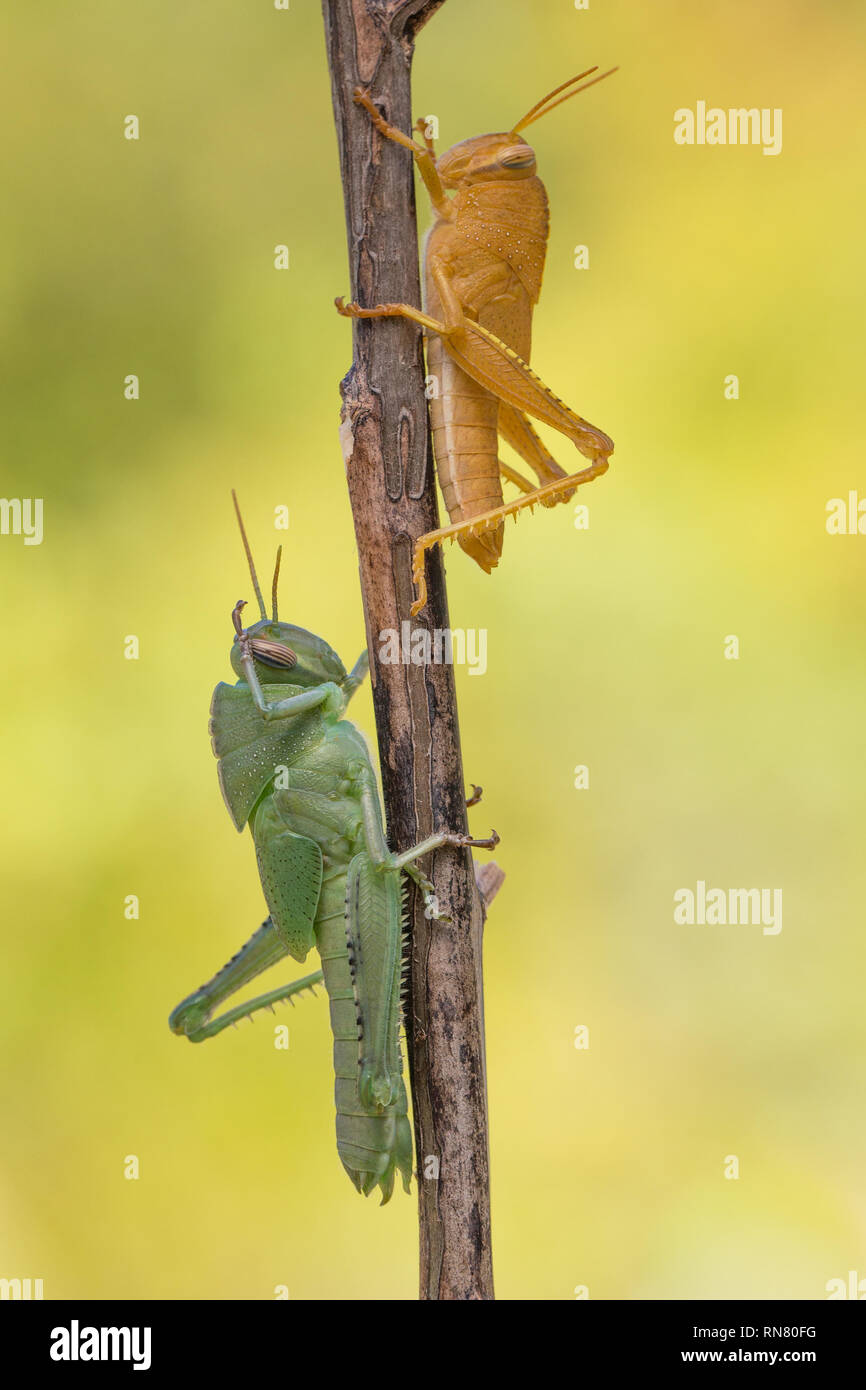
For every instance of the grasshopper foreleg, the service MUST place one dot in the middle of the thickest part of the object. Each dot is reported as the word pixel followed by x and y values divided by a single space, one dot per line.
pixel 423 155
pixel 356 676
pixel 406 862
pixel 381 856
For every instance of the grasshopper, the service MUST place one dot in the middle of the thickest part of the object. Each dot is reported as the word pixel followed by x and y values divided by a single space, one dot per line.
pixel 483 264
pixel 300 776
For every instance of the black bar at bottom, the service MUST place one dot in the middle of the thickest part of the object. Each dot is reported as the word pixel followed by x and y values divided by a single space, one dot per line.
pixel 220 1340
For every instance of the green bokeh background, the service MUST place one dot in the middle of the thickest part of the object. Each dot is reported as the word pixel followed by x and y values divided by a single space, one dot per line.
pixel 605 649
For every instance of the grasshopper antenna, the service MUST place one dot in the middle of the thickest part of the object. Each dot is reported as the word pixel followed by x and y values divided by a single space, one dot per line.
pixel 541 108
pixel 524 120
pixel 249 555
pixel 276 580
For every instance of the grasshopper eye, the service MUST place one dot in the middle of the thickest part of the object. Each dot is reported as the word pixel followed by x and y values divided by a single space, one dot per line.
pixel 273 654
pixel 517 157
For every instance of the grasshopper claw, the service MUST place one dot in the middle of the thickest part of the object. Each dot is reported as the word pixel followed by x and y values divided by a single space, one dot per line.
pixel 490 843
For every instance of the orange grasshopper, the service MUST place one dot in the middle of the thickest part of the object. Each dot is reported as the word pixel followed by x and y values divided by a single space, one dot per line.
pixel 483 263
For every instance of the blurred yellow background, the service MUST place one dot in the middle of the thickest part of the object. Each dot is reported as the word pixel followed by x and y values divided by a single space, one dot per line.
pixel 605 648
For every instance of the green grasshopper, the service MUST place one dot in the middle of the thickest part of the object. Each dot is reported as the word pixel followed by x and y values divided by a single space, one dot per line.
pixel 301 777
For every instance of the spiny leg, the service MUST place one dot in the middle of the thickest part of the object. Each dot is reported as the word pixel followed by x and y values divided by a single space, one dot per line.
pixel 517 431
pixel 262 1001
pixel 558 490
pixel 497 367
pixel 264 949
pixel 514 477
pixel 503 372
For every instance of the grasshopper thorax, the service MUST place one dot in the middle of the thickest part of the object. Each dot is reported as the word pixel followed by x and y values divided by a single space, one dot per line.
pixel 270 641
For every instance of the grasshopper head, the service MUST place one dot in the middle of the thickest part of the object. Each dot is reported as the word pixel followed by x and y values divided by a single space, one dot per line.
pixel 485 158
pixel 285 654
pixel 505 156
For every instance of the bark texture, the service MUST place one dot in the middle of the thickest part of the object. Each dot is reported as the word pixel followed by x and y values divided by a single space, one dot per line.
pixel 390 478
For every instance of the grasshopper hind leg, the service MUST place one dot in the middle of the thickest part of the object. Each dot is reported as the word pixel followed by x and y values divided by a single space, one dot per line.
pixel 517 430
pixel 192 1016
pixel 560 490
